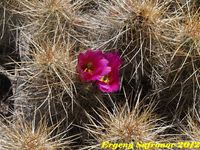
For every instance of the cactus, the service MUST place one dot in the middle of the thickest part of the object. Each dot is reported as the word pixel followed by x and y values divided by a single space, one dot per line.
pixel 111 70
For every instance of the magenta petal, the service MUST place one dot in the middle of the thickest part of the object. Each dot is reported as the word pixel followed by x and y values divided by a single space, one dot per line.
pixel 114 87
pixel 103 87
pixel 113 83
pixel 98 62
pixel 114 59
pixel 104 69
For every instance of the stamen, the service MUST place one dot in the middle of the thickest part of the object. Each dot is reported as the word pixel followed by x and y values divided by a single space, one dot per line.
pixel 105 79
pixel 88 68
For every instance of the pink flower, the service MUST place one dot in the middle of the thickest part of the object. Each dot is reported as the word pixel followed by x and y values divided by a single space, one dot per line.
pixel 92 65
pixel 111 81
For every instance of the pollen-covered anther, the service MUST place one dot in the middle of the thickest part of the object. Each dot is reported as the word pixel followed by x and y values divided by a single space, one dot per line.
pixel 88 67
pixel 105 79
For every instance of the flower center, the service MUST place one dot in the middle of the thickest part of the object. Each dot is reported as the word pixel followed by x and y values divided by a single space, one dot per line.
pixel 88 67
pixel 105 79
